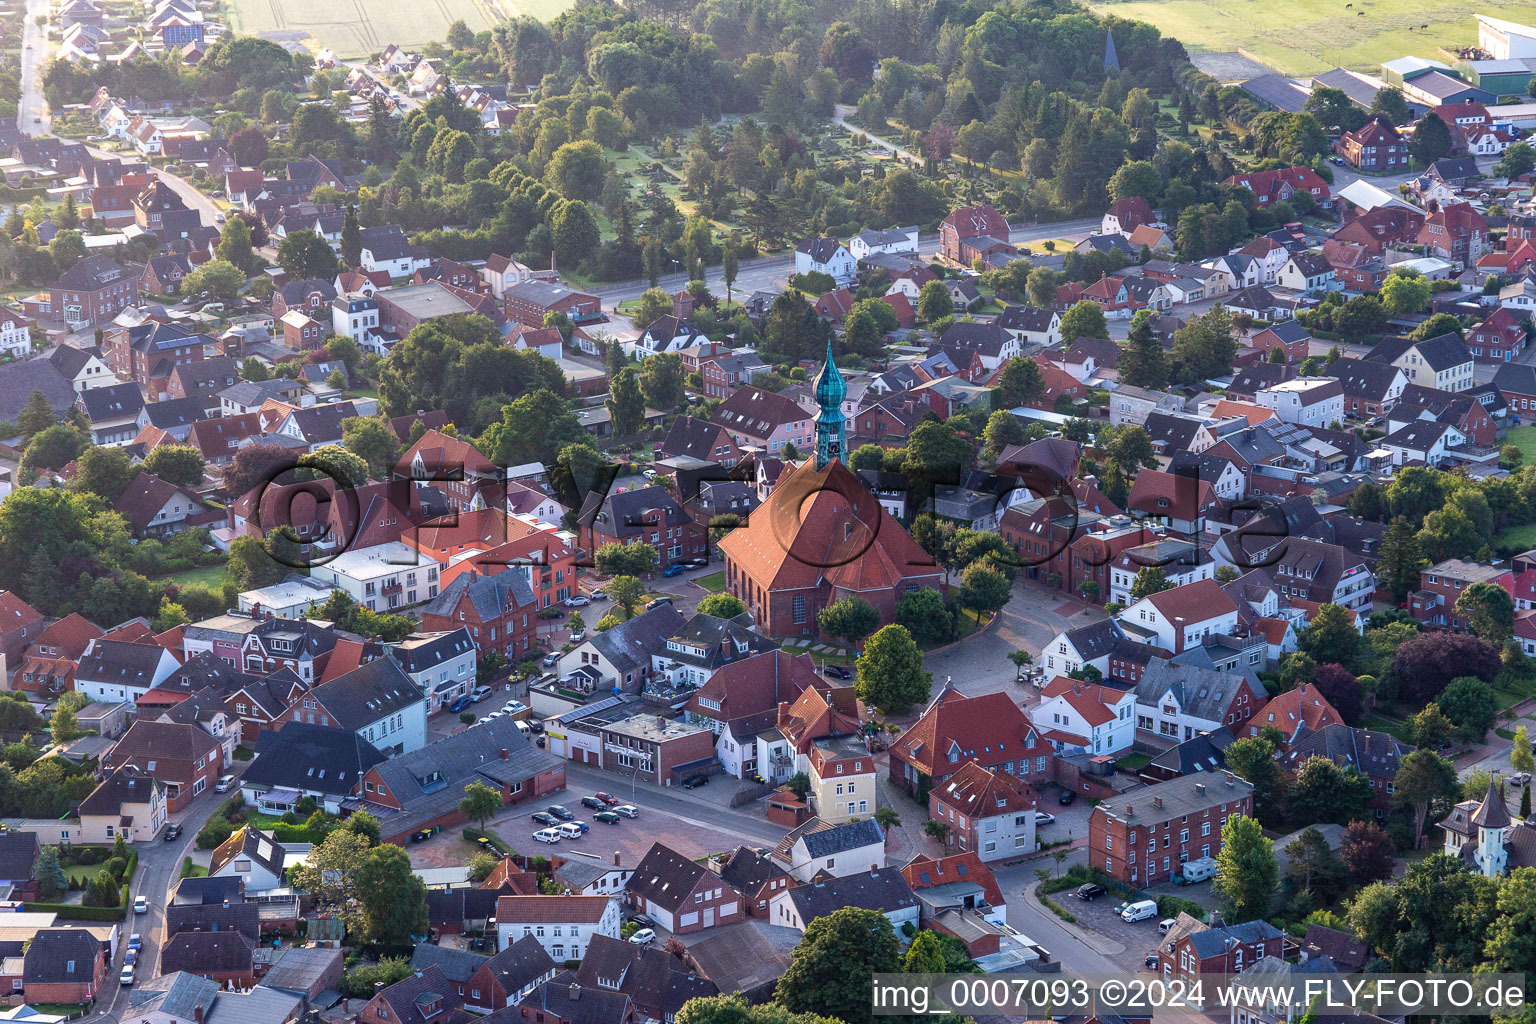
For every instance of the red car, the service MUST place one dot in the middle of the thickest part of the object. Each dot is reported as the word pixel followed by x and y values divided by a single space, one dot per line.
pixel 607 798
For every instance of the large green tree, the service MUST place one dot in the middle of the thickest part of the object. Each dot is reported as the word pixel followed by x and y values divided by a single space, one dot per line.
pixel 304 255
pixel 1246 870
pixel 850 618
pixel 891 674
pixel 835 962
pixel 1144 363
pixel 1084 320
pixel 179 464
pixel 391 897
pixel 1425 783
pixel 1488 611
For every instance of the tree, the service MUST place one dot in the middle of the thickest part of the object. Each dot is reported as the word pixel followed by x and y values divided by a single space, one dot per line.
pixel 1518 159
pixel 987 588
pixel 1312 866
pixel 1246 871
pixel 1400 562
pixel 922 613
pixel 635 558
pixel 925 955
pixel 934 302
pixel 891 674
pixel 626 592
pixel 661 381
pixel 625 404
pixel 1367 851
pixel 1084 320
pixel 722 606
pixel 336 462
pixel 1405 292
pixel 304 255
pixel 535 427
pixel 178 464
pixel 1252 758
pixel 1425 664
pixel 652 305
pixel 35 417
pixel 371 439
pixel 1435 326
pixel 835 962
pixel 351 238
pixel 53 448
pixel 1206 346
pixel 1019 383
pixel 480 804
pixel 391 898
pixel 64 726
pixel 1021 660
pixel 250 566
pixel 1150 579
pixel 576 170
pixel 254 369
pixel 575 231
pixel 1429 728
pixel 1324 792
pixel 1489 612
pixel 1144 364
pixel 1332 636
pixel 49 876
pixel 219 278
pixel 1471 706
pixel 103 471
pixel 235 243
pixel 1390 102
pixel 887 818
pixel 850 618
pixel 1424 782
pixel 1520 758
pixel 1131 448
pixel 1431 139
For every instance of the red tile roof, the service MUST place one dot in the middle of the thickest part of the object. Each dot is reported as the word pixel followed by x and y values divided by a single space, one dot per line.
pixel 69 635
pixel 980 792
pixel 1091 700
pixel 1186 497
pixel 1288 712
pixel 923 871
pixel 989 726
pixel 549 909
pixel 1193 602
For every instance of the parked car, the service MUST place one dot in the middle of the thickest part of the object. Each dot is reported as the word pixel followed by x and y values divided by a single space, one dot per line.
pixel 1067 796
pixel 224 783
pixel 1150 961
pixel 1141 910
pixel 547 835
pixel 550 659
pixel 599 595
pixel 837 671
pixel 573 829
pixel 642 937
pixel 649 474
pixel 628 810
pixel 135 941
pixel 126 977
pixel 479 694
pixel 562 813
pixel 592 802
pixel 641 920
pixel 607 798
pixel 461 704
pixel 131 958
pixel 1521 779
pixel 674 570
pixel 1089 891
pixel 545 818
pixel 141 905
pixel 695 781
pixel 514 707
pixel 578 636
pixel 576 602
pixel 1044 818
pixel 1166 923
pixel 606 817
pixel 172 832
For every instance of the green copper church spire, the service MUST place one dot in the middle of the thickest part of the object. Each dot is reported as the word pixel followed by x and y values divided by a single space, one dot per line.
pixel 831 389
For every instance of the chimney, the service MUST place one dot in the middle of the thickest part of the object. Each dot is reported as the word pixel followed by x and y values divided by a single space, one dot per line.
pixel 1130 810
pixel 1230 779
pixel 197 1013
pixel 1200 789
pixel 1157 801
pixel 378 987
pixel 615 858
pixel 505 753
pixel 575 992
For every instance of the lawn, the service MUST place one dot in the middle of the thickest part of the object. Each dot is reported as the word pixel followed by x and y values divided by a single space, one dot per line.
pixel 1521 538
pixel 211 576
pixel 714 582
pixel 357 28
pixel 1310 36
pixel 1388 725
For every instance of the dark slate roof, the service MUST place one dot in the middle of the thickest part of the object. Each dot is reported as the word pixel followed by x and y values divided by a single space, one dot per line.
pixel 1096 639
pixel 61 956
pixel 1363 378
pixel 420 652
pixel 367 694
pixel 457 965
pixel 460 905
pixel 1419 435
pixel 824 839
pixel 1443 352
pixel 120 663
pixel 18 852
pixel 313 758
pixel 19 380
pixel 124 786
pixel 209 890
pixel 563 999
pixel 1175 431
pixel 1203 753
pixel 882 889
pixel 525 961
pixel 629 645
pixel 388 242
pixel 175 412
pixel 71 360
pixel 665 877
pixel 208 953
pixel 1201 693
pixel 244 918
pixel 90 274
pixel 296 291
pixel 748 870
pixel 322 423
pixel 693 437
pixel 819 250
pixel 116 401
pixel 619 515
pixel 489 594
pixel 657 981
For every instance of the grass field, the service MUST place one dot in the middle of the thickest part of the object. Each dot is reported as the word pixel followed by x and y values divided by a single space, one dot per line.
pixel 357 28
pixel 1305 37
pixel 211 576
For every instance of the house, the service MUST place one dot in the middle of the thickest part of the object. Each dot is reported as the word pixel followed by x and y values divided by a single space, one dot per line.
pixel 20 625
pixel 300 760
pixel 1306 401
pixel 656 981
pixel 1295 713
pixel 1308 272
pixel 755 875
pixel 820 848
pixel 252 858
pixel 1498 339
pixel 116 670
pixel 563 925
pixel 1181 702
pixel 84 368
pixel 968 228
pixel 1375 755
pixel 1280 184
pixel 901 240
pixel 1423 441
pixel 385 248
pixel 724 374
pixel 1077 717
pixel 509 976
pixel 377 701
pixel 91 293
pixel 421 996
pixel 882 889
pixel 563 1000
pixel 825 256
pixel 183 756
pixel 700 439
pixel 764 420
pixel 1177 501
pixel 1376 146
pixel 1126 215
pixel 64 965
pixel 1442 362
pixel 989 813
pixel 529 302
pixel 954 730
pixel 682 895
pixel 1456 232
pixel 1516 383
pixel 1441 584
pixel 441 663
pixel 153 507
pixel 1185 954
pixel 1180 617
pixel 1370 388
pixel 1301 567
pixel 739 702
pixel 1031 325
pixel 647 514
pixel 1142 837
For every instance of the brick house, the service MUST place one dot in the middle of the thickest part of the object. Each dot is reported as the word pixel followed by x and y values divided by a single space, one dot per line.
pixel 649 515
pixel 1370 388
pixel 509 976
pixel 20 625
pixel 1194 949
pixel 301 331
pixel 1278 185
pixel 755 875
pixel 1376 230
pixel 1376 755
pixel 1434 603
pixel 1456 232
pixel 183 756
pixel 226 957
pixel 989 813
pixel 64 965
pixel 91 293
pixel 529 302
pixel 966 223
pixel 149 351
pixel 1355 267
pixel 1295 713
pixel 1498 339
pixel 955 730
pixel 764 419
pixel 163 274
pixel 499 610
pixel 422 996
pixel 310 296
pixel 490 541
pixel 1142 837
pixel 1376 146
pixel 682 895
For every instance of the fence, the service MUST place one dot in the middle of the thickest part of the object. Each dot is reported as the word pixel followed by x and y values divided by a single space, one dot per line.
pixel 751 792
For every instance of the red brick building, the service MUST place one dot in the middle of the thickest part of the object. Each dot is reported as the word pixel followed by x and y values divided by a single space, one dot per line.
pixel 955 730
pixel 1455 232
pixel 500 612
pixel 1142 837
pixel 185 757
pixel 150 351
pixel 531 301
pixel 302 331
pixel 682 895
pixel 20 624
pixel 1441 584
pixel 649 515
pixel 91 293
pixel 64 965
pixel 1377 229
pixel 1192 949
pixel 966 223
pixel 1498 339
pixel 986 812
pixel 1278 185
pixel 1377 146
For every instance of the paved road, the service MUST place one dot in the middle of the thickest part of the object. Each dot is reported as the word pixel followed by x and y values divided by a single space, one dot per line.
pixel 34 57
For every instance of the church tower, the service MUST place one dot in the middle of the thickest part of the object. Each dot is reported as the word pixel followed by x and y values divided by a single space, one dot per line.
pixel 831 389
pixel 1491 819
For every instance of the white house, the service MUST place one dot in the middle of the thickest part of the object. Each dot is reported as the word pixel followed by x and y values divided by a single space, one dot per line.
pixel 376 700
pixel 1181 561
pixel 355 317
pixel 382 577
pixel 1307 272
pixel 1179 702
pixel 1306 401
pixel 442 664
pixel 113 670
pixel 15 334
pixel 818 846
pixel 252 857
pixel 1031 325
pixel 288 599
pixel 897 241
pixel 882 889
pixel 1181 617
pixel 1426 441
pixel 563 925
pixel 1077 717
pixel 386 248
pixel 826 256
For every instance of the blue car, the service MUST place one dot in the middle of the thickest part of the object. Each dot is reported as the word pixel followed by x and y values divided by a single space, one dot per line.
pixel 674 570
pixel 460 705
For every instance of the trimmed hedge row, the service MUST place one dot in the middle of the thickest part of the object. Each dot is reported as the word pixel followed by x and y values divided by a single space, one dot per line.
pixel 76 912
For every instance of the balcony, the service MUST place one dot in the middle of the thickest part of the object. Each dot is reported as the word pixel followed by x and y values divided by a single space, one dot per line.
pixel 392 587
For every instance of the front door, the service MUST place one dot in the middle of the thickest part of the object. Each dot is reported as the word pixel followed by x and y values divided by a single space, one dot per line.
pixel 709 917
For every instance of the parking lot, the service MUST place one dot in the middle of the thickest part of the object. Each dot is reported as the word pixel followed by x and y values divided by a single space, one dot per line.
pixel 1071 821
pixel 1098 915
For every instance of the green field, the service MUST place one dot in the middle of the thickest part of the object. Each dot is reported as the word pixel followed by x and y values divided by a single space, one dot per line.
pixel 211 576
pixel 358 28
pixel 1304 37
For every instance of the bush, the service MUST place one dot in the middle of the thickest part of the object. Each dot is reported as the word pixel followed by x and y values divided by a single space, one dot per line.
pixel 359 981
pixel 1172 906
pixel 76 912
pixel 117 865
pixel 214 833
pixel 90 855
pixel 1059 911
pixel 285 833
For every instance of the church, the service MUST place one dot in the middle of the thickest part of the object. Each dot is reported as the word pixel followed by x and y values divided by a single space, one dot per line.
pixel 1486 837
pixel 822 536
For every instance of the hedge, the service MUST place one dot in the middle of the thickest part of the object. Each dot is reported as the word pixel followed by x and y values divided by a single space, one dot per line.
pixel 1169 905
pixel 499 844
pixel 284 833
pixel 1065 915
pixel 76 912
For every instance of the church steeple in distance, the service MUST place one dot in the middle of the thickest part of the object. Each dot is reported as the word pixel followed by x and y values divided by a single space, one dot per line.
pixel 831 389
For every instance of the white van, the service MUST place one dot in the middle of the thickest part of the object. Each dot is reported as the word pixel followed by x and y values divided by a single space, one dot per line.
pixel 1141 910
pixel 522 726
pixel 1198 870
